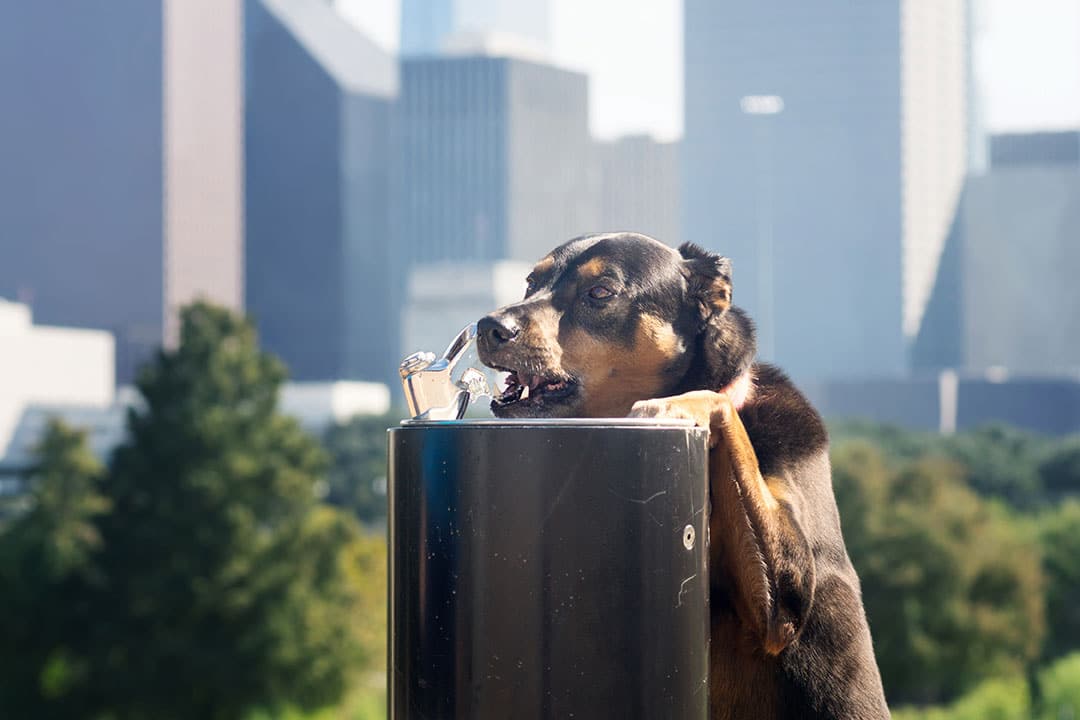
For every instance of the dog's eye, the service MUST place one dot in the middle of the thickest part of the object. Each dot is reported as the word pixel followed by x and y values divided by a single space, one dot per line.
pixel 599 292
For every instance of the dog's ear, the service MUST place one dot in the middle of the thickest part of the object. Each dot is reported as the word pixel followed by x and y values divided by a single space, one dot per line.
pixel 708 280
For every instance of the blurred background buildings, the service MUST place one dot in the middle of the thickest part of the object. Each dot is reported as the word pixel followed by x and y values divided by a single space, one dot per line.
pixel 359 201
pixel 825 150
pixel 319 172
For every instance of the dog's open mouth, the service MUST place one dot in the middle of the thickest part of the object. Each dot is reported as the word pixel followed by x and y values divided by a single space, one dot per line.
pixel 533 391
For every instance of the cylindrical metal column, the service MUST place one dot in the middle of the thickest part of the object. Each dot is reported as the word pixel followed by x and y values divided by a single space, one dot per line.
pixel 548 570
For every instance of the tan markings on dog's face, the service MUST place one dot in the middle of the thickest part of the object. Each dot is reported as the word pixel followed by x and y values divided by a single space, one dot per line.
pixel 614 377
pixel 592 269
pixel 546 263
pixel 718 295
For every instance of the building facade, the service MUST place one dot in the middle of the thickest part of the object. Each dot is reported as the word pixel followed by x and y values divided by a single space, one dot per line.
pixel 949 402
pixel 121 143
pixel 640 187
pixel 824 152
pixel 49 365
pixel 496 159
pixel 203 156
pixel 442 298
pixel 1042 149
pixel 82 181
pixel 1006 300
pixel 318 175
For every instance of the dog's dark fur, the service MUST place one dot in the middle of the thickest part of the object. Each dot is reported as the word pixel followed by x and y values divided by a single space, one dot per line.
pixel 617 324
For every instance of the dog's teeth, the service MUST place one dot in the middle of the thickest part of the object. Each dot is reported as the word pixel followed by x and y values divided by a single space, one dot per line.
pixel 525 392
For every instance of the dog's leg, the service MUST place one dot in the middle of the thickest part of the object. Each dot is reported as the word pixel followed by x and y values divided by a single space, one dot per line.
pixel 754 527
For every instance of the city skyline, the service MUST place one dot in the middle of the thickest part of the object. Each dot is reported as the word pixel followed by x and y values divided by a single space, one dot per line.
pixel 497 160
pixel 635 70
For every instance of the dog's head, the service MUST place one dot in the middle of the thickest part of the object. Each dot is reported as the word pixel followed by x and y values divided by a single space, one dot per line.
pixel 608 320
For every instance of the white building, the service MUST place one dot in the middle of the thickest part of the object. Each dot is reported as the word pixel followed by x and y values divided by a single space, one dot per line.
pixel 316 405
pixel 442 298
pixel 203 155
pixel 934 128
pixel 42 365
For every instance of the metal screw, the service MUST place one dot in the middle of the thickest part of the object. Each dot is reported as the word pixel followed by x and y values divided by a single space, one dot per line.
pixel 688 536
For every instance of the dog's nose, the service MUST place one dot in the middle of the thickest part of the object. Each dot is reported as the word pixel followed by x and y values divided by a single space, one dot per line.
pixel 497 329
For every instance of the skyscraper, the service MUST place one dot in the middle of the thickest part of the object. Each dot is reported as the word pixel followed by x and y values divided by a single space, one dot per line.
pixel 318 170
pixel 824 152
pixel 121 143
pixel 639 187
pixel 497 162
pixel 1006 300
pixel 203 155
pixel 426 25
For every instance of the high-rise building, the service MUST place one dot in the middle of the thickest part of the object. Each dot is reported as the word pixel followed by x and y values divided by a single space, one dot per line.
pixel 1006 300
pixel 824 152
pixel 639 187
pixel 427 25
pixel 319 147
pixel 121 143
pixel 497 162
pixel 203 110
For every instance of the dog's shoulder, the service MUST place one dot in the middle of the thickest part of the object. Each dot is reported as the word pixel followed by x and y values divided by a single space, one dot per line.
pixel 783 426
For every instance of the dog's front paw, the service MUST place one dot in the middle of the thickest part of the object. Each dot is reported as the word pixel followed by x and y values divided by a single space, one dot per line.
pixel 704 408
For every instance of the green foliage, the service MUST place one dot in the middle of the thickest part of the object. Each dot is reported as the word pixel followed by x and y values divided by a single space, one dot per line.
pixel 65 501
pixel 196 577
pixel 226 582
pixel 1008 698
pixel 357 476
pixel 1059 685
pixel 1059 538
pixel 895 443
pixel 1060 469
pixel 47 565
pixel 995 699
pixel 1001 462
pixel 952 587
pixel 997 461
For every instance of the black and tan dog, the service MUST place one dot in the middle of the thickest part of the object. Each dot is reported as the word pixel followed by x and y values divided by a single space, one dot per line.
pixel 620 324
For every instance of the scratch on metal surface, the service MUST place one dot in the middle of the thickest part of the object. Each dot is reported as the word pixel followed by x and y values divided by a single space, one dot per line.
pixel 558 497
pixel 634 500
pixel 682 589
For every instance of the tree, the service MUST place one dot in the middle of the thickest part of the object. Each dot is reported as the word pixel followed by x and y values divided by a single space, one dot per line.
pixel 1001 462
pixel 47 569
pixel 1005 698
pixel 1060 685
pixel 227 586
pixel 951 583
pixel 1060 469
pixel 1059 539
pixel 357 476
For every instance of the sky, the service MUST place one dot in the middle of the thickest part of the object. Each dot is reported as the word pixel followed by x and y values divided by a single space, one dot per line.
pixel 1027 56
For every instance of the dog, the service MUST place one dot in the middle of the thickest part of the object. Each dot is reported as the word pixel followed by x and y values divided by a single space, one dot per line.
pixel 620 324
